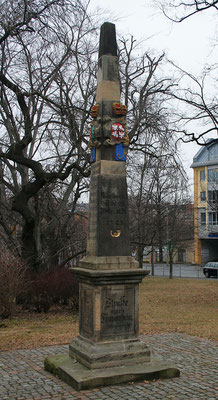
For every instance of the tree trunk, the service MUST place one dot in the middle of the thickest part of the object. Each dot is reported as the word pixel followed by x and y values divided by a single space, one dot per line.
pixel 152 261
pixel 160 252
pixel 140 256
pixel 171 263
pixel 31 245
pixel 160 232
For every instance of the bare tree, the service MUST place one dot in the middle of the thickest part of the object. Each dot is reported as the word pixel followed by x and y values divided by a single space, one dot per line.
pixel 141 184
pixel 178 11
pixel 47 86
pixel 46 89
pixel 195 106
pixel 154 168
pixel 180 225
pixel 157 180
pixel 144 92
pixel 196 98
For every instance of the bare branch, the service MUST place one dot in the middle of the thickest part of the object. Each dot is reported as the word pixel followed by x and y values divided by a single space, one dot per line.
pixel 187 9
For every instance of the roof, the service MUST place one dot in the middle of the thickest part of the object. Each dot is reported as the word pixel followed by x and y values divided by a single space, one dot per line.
pixel 207 155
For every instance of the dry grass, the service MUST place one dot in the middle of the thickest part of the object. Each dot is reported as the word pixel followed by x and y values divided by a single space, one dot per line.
pixel 178 305
pixel 34 330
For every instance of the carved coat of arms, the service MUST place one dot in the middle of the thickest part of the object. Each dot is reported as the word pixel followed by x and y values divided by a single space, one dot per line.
pixel 112 128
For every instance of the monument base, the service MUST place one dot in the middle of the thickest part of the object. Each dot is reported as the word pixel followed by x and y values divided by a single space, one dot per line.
pixel 80 377
pixel 109 354
pixel 108 350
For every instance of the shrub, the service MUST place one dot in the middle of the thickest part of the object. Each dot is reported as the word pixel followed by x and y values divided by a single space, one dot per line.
pixel 13 282
pixel 63 286
pixel 56 286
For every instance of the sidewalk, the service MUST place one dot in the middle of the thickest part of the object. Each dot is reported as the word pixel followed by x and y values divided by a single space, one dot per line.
pixel 22 375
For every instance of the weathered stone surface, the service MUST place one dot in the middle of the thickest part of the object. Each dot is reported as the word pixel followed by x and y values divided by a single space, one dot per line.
pixel 109 321
pixel 109 168
pixel 108 73
pixel 108 263
pixel 116 277
pixel 81 377
pixel 109 354
pixel 108 233
pixel 119 314
pixel 106 89
pixel 108 44
pixel 113 222
pixel 109 304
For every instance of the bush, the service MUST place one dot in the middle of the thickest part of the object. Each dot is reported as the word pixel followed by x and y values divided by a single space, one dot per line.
pixel 56 286
pixel 13 282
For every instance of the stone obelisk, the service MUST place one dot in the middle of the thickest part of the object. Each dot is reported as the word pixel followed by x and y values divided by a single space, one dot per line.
pixel 108 349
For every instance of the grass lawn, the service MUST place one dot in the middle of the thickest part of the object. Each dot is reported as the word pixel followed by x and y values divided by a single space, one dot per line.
pixel 178 305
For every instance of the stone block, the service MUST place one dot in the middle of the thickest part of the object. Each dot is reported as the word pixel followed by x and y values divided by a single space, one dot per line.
pixel 109 354
pixel 108 303
pixel 108 233
pixel 80 377
pixel 108 263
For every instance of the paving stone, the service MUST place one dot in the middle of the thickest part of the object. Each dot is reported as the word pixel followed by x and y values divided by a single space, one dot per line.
pixel 24 378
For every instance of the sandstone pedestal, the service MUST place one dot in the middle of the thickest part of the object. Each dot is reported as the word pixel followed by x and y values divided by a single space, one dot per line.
pixel 108 350
pixel 109 319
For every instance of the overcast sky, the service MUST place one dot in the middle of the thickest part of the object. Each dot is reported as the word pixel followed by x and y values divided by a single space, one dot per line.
pixel 189 44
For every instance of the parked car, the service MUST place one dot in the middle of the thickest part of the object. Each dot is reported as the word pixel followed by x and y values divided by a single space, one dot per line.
pixel 211 269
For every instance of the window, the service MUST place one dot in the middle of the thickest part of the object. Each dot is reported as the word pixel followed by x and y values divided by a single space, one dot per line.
pixel 213 152
pixel 212 196
pixel 213 218
pixel 203 196
pixel 212 175
pixel 203 218
pixel 202 176
pixel 181 255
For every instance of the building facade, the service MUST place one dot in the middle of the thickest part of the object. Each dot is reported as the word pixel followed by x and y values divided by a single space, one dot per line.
pixel 205 167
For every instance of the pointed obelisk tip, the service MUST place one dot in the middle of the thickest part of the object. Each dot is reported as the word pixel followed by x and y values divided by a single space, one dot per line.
pixel 108 44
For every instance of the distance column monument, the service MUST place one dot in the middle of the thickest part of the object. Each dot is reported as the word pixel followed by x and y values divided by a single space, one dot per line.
pixel 108 350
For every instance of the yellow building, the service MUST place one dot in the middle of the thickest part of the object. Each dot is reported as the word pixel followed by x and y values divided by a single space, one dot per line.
pixel 205 167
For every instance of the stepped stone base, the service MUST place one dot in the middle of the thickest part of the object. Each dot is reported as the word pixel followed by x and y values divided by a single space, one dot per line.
pixel 108 350
pixel 80 377
pixel 109 354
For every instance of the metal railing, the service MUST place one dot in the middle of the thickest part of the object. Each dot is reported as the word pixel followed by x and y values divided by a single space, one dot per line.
pixel 179 270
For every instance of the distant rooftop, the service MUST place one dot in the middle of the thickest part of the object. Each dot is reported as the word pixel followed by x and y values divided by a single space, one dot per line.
pixel 207 155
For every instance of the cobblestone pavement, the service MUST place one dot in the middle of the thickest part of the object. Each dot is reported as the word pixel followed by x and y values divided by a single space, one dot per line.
pixel 22 375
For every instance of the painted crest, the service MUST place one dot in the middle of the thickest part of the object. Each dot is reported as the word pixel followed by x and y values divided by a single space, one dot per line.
pixel 119 109
pixel 121 152
pixel 117 131
pixel 95 134
pixel 94 111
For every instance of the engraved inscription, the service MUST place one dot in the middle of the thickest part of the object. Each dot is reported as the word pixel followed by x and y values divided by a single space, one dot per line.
pixel 113 206
pixel 108 212
pixel 118 312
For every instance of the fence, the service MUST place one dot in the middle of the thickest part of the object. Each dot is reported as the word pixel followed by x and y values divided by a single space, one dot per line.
pixel 179 270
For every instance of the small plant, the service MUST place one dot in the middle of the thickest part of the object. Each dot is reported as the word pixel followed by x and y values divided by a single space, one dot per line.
pixel 13 282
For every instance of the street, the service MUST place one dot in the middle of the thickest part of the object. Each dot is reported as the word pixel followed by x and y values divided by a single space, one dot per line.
pixel 179 270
